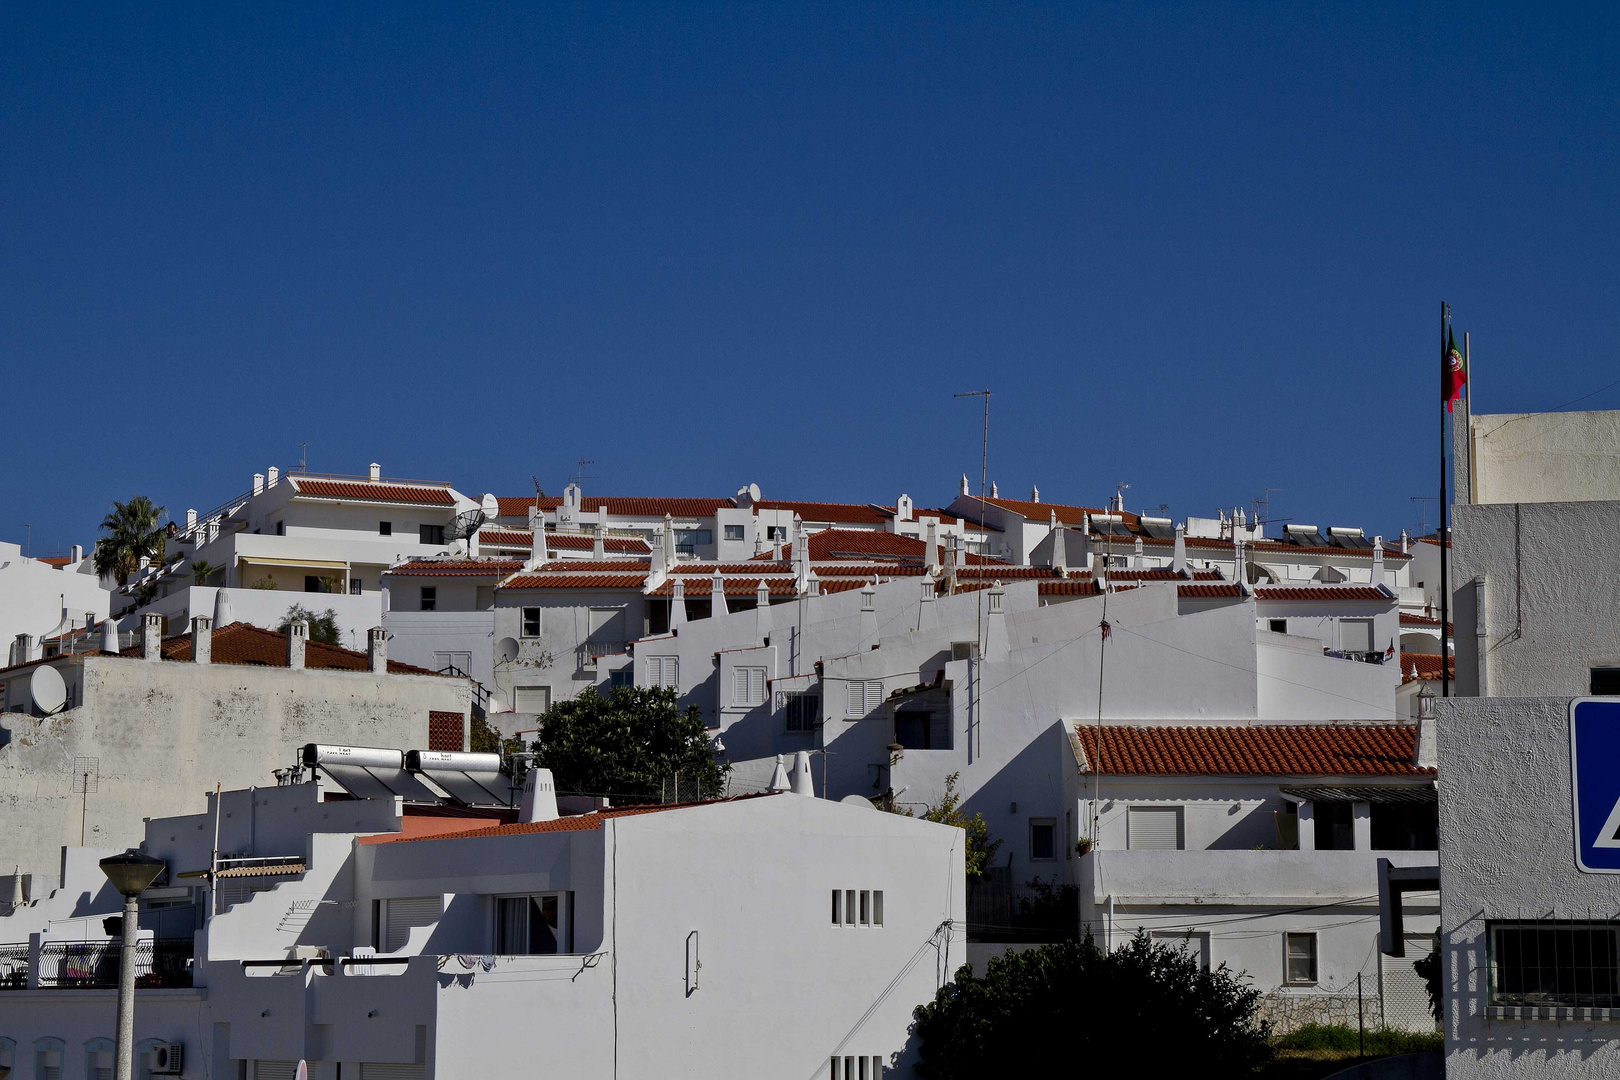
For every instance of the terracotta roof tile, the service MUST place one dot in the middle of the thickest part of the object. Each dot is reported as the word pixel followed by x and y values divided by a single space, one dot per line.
pixel 577 823
pixel 1322 593
pixel 360 491
pixel 57 561
pixel 1196 591
pixel 1424 666
pixel 698 588
pixel 1040 512
pixel 244 643
pixel 1305 750
pixel 518 506
pixel 1408 619
pixel 456 568
pixel 519 538
pixel 638 506
pixel 551 580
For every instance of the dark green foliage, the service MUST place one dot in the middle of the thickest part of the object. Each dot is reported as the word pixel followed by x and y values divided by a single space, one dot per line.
pixel 1147 1004
pixel 1377 1041
pixel 486 740
pixel 625 745
pixel 1428 970
pixel 323 625
pixel 1048 911
pixel 980 849
pixel 134 529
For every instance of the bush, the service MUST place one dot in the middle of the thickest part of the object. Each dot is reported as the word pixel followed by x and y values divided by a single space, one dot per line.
pixel 323 625
pixel 1148 1001
pixel 1378 1041
pixel 626 745
pixel 1428 969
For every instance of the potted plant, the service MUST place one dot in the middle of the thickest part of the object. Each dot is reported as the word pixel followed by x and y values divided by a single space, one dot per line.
pixel 1082 846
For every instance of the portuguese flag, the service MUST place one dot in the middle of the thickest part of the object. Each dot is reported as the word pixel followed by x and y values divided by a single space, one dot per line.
pixel 1453 372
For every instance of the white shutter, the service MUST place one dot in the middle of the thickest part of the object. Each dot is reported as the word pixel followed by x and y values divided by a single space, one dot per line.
pixel 855 703
pixel 531 699
pixel 274 1070
pixel 748 685
pixel 1154 828
pixel 874 694
pixel 375 1071
pixel 1355 635
pixel 756 686
pixel 403 913
pixel 664 671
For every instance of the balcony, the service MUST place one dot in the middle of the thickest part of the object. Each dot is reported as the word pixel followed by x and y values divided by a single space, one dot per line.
pixel 161 963
pixel 1237 877
pixel 592 651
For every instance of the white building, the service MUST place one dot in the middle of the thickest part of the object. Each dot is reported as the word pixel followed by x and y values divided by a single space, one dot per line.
pixel 92 742
pixel 46 598
pixel 770 935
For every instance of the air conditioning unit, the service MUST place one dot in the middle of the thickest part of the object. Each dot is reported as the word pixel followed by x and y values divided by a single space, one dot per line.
pixel 166 1059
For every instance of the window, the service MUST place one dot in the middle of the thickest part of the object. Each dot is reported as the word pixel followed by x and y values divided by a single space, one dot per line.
pixel 1153 828
pixel 430 534
pixel 533 925
pixel 922 729
pixel 664 671
pixel 400 915
pixel 531 699
pixel 48 1058
pixel 862 907
pixel 1278 626
pixel 838 907
pixel 748 686
pixel 877 907
pixel 1042 838
pixel 1335 826
pixel 281 528
pixel 1554 963
pixel 734 532
pixel 1405 826
pixel 385 528
pixel 1355 635
pixel 776 532
pixel 531 622
pixel 354 586
pixel 1299 952
pixel 624 676
pixel 687 541
pixel 801 711
pixel 98 1059
pixel 315 583
pixel 856 1068
pixel 864 695
pixel 430 598
pixel 1605 681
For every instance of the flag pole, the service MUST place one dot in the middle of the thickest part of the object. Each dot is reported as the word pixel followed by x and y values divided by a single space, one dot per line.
pixel 1445 529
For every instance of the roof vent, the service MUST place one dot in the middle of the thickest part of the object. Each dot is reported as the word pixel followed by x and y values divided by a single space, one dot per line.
pixel 374 473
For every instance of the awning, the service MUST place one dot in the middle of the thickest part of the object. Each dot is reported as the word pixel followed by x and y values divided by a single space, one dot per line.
pixel 271 870
pixel 324 564
pixel 1368 794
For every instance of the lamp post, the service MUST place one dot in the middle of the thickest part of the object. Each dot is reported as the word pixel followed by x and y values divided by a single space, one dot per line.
pixel 130 873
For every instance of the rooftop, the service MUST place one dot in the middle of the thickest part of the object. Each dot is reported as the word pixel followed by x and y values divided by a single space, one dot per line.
pixel 1302 750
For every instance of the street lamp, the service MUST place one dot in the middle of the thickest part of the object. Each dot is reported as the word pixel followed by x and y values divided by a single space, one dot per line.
pixel 130 873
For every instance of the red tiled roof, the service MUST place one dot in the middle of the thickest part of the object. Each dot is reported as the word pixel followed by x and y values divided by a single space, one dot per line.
pixel 360 491
pixel 831 512
pixel 1197 591
pixel 1426 665
pixel 456 568
pixel 1390 555
pixel 518 506
pixel 1423 620
pixel 755 568
pixel 1006 572
pixel 1068 587
pixel 1040 512
pixel 519 538
pixel 838 585
pixel 57 561
pixel 1321 594
pixel 698 588
pixel 244 643
pixel 863 544
pixel 1306 750
pixel 577 823
pixel 552 580
pixel 868 570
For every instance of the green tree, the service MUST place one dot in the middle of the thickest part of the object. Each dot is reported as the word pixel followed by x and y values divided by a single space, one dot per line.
pixel 134 529
pixel 948 811
pixel 486 740
pixel 627 744
pixel 1147 1003
pixel 323 625
pixel 200 571
pixel 1428 969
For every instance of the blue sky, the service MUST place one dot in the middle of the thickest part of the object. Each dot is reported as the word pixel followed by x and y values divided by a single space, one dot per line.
pixel 1198 249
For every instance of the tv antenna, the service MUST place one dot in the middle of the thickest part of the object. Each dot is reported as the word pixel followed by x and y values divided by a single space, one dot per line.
pixel 579 469
pixel 1423 502
pixel 975 746
pixel 303 457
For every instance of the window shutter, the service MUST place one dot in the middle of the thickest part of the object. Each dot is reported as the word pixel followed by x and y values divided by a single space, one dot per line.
pixel 375 1071
pixel 531 699
pixel 1154 828
pixel 756 686
pixel 1355 635
pixel 856 698
pixel 874 694
pixel 403 913
pixel 739 686
pixel 274 1070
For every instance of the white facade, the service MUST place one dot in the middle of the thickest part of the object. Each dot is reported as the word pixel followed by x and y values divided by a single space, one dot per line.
pixel 39 599
pixel 694 941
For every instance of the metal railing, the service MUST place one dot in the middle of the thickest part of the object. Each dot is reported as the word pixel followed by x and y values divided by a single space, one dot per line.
pixel 480 692
pixel 14 966
pixel 93 965
pixel 231 505
pixel 591 651
pixel 1356 655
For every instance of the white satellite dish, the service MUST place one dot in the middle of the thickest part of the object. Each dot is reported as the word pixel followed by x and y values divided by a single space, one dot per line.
pixel 857 800
pixel 506 650
pixel 753 493
pixel 48 689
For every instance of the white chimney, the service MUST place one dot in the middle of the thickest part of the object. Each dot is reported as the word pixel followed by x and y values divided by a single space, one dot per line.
pixel 151 636
pixel 964 490
pixel 1378 561
pixel 779 777
pixel 191 521
pixel 222 608
pixel 762 610
pixel 202 639
pixel 1178 554
pixel 677 604
pixel 869 626
pixel 374 473
pixel 802 784
pixel 377 650
pixel 931 552
pixel 297 638
pixel 996 645
pixel 272 476
pixel 1136 555
pixel 717 596
pixel 109 636
pixel 598 543
pixel 1034 494
pixel 76 553
pixel 669 543
pixel 539 802
pixel 903 508
pixel 258 483
pixel 995 492
pixel 925 609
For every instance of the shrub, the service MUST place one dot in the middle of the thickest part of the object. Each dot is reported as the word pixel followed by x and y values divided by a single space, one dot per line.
pixel 1376 1041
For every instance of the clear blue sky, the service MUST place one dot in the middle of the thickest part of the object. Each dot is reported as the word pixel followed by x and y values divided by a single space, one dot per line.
pixel 1199 249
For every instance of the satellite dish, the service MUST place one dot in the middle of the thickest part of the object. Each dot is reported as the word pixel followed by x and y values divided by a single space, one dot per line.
pixel 856 800
pixel 48 689
pixel 753 493
pixel 506 650
pixel 465 525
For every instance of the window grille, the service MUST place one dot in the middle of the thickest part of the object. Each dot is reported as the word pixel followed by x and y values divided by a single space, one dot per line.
pixel 801 711
pixel 1554 962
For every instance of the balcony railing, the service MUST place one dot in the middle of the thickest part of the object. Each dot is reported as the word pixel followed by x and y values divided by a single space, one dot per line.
pixel 1373 657
pixel 591 651
pixel 93 965
pixel 14 966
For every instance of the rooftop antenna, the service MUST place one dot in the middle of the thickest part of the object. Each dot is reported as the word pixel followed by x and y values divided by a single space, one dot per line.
pixel 1119 496
pixel 28 540
pixel 579 470
pixel 1423 502
pixel 303 457
pixel 984 472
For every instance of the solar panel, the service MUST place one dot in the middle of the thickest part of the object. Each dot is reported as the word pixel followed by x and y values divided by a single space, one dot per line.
pixel 1161 528
pixel 469 779
pixel 1306 536
pixel 368 772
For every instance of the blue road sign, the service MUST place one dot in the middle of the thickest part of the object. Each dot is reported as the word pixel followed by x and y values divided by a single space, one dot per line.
pixel 1594 762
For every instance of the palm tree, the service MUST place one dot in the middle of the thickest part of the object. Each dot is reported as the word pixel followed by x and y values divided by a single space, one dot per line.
pixel 200 571
pixel 132 531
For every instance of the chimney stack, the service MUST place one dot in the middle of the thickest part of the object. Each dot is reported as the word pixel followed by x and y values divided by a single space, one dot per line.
pixel 1178 554
pixel 964 489
pixel 191 521
pixel 779 777
pixel 374 473
pixel 931 552
pixel 202 639
pixel 762 610
pixel 717 596
pixel 151 636
pixel 1378 561
pixel 377 650
pixel 258 483
pixel 297 638
pixel 996 645
pixel 995 492
pixel 1034 494
pixel 925 605
pixel 539 802
pixel 677 604
pixel 802 783
pixel 271 477
pixel 598 543
pixel 869 626
pixel 109 635
pixel 222 608
pixel 76 553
